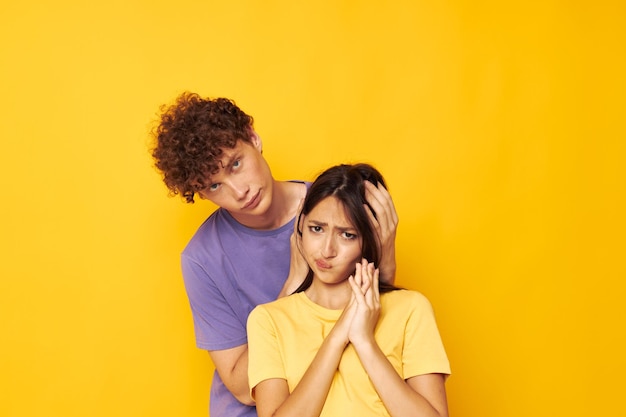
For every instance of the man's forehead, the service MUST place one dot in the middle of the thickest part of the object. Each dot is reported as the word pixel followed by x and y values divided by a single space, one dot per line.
pixel 227 155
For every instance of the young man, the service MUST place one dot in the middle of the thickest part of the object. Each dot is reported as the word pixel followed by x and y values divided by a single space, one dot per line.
pixel 245 253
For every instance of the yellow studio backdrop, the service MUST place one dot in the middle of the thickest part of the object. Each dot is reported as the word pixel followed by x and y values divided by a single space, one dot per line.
pixel 500 127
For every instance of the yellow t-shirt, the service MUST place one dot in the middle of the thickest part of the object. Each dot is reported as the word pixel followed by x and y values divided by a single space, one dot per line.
pixel 285 335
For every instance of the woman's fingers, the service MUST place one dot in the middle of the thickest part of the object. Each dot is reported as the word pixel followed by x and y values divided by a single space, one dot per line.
pixel 366 307
pixel 365 283
pixel 375 281
pixel 366 280
pixel 370 294
pixel 357 291
pixel 358 278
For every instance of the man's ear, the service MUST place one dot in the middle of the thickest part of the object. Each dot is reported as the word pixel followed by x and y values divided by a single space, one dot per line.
pixel 255 139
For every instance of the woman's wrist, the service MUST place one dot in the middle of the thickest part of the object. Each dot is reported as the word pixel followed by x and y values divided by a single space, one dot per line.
pixel 337 340
pixel 366 347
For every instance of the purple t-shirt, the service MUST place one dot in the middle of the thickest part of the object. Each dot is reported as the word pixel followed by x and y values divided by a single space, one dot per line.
pixel 228 270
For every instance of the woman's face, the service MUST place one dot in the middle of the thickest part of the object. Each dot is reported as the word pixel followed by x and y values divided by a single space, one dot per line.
pixel 330 243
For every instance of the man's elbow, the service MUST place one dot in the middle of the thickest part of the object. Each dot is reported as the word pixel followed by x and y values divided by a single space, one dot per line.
pixel 245 398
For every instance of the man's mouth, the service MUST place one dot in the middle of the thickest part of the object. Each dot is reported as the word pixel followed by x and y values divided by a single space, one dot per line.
pixel 253 202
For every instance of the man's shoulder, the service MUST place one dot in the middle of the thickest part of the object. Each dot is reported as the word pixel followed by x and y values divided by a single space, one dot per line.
pixel 209 234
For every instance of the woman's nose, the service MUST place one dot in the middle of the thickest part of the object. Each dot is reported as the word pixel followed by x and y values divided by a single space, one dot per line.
pixel 329 248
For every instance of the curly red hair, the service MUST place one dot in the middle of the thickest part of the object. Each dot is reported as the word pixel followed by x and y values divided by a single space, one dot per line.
pixel 190 138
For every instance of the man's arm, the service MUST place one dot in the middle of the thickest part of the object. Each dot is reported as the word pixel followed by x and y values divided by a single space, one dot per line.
pixel 298 268
pixel 232 366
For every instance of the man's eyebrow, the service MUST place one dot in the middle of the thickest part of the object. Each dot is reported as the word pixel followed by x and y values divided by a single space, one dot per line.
pixel 229 160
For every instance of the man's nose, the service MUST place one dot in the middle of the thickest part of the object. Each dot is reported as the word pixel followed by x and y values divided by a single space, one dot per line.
pixel 240 189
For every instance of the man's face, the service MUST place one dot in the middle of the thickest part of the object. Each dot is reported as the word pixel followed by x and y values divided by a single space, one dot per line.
pixel 244 184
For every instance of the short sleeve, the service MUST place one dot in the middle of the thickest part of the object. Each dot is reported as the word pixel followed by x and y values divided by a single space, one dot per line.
pixel 216 324
pixel 423 351
pixel 264 355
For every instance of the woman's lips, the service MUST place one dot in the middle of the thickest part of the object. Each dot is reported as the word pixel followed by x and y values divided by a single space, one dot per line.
pixel 322 264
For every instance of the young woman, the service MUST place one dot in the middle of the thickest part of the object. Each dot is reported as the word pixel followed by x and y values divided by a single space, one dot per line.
pixel 345 343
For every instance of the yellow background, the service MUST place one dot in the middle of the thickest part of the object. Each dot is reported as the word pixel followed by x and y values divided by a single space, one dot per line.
pixel 500 127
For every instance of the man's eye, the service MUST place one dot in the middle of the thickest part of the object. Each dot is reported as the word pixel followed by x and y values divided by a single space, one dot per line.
pixel 213 187
pixel 237 163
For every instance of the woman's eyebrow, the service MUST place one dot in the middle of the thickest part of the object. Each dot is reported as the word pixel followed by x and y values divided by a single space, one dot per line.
pixel 340 228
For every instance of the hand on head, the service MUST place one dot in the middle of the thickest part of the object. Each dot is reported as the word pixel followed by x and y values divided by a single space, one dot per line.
pixel 385 223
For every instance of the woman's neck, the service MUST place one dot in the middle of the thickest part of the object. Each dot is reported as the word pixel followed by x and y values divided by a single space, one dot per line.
pixel 330 296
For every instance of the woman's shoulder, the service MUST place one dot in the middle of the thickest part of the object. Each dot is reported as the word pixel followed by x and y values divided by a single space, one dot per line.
pixel 280 305
pixel 406 299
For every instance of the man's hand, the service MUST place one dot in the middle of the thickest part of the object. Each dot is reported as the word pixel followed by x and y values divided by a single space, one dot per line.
pixel 386 223
pixel 298 268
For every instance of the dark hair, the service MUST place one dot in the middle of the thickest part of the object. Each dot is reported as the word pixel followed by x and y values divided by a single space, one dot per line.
pixel 190 138
pixel 347 184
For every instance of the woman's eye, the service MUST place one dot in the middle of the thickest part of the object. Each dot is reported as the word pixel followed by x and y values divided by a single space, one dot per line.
pixel 349 236
pixel 315 229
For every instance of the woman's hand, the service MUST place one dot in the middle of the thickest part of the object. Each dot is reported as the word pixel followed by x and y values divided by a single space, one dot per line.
pixel 341 329
pixel 366 297
pixel 344 324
